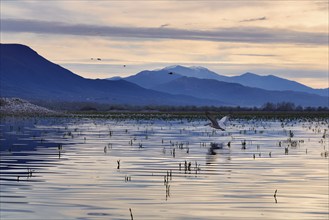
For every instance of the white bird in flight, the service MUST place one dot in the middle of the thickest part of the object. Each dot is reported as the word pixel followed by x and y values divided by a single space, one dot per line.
pixel 217 124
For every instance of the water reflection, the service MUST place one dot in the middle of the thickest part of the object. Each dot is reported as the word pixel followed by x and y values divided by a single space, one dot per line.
pixel 94 168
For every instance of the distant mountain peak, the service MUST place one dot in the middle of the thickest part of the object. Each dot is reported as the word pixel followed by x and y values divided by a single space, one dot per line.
pixel 16 48
pixel 185 67
pixel 172 67
pixel 249 74
pixel 199 68
pixel 12 45
pixel 195 71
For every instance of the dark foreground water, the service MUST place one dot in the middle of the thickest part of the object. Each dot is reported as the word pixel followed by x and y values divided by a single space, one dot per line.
pixel 60 168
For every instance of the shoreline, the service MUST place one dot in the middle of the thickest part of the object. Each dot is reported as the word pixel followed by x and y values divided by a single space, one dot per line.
pixel 16 107
pixel 198 115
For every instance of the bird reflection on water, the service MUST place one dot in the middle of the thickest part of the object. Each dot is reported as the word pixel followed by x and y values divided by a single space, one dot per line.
pixel 214 150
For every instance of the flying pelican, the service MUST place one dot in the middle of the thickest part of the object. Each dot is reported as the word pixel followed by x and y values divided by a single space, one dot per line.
pixel 218 125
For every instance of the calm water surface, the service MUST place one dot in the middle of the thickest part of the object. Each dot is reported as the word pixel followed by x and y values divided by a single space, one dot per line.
pixel 60 168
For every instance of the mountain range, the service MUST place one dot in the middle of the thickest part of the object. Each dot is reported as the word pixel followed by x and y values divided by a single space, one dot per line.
pixel 234 93
pixel 268 82
pixel 26 74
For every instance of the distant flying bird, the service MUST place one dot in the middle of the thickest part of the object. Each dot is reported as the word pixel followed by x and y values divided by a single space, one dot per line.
pixel 99 59
pixel 124 65
pixel 214 124
pixel 164 25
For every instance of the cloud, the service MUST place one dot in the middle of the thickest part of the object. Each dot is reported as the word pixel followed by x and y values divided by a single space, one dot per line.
pixel 254 19
pixel 322 5
pixel 255 55
pixel 237 34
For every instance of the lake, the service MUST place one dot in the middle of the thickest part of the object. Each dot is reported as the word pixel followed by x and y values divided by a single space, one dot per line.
pixel 84 168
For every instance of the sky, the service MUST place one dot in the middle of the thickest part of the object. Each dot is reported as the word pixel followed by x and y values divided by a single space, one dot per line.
pixel 285 38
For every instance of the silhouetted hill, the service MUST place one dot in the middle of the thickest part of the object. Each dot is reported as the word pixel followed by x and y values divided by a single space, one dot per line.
pixel 271 82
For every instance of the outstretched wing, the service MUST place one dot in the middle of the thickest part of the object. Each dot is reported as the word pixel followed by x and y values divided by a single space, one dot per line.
pixel 222 123
pixel 212 119
pixel 224 119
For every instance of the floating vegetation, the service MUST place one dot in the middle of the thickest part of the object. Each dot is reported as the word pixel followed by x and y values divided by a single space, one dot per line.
pixel 118 162
pixel 243 143
pixel 325 153
pixel 127 178
pixel 276 201
pixel 131 214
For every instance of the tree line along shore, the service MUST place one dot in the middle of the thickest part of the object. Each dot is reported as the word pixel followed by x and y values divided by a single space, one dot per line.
pixel 20 107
